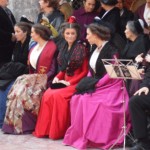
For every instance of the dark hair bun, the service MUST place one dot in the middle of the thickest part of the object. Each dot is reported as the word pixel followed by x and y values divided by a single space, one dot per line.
pixel 98 21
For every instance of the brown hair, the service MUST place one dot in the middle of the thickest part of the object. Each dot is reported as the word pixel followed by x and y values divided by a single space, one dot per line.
pixel 43 31
pixel 52 3
pixel 101 31
pixel 67 25
pixel 25 27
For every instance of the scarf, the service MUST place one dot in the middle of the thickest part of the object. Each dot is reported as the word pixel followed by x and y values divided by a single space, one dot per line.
pixel 70 60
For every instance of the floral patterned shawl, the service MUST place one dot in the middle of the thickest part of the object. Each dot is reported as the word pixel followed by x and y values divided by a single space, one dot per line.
pixel 25 94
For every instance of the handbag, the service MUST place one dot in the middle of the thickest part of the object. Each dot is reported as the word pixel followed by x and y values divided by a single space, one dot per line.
pixel 58 86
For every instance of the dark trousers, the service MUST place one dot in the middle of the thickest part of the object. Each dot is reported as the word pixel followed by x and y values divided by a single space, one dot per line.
pixel 138 106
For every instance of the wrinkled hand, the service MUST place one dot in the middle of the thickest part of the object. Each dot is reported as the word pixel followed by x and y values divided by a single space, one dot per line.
pixel 55 80
pixel 139 58
pixel 141 71
pixel 147 58
pixel 64 82
pixel 144 90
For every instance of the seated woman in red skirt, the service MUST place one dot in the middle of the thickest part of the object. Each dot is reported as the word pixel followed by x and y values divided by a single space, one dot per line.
pixel 54 115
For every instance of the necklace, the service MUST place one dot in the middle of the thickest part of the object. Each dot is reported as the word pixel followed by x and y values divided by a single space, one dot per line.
pixel 99 47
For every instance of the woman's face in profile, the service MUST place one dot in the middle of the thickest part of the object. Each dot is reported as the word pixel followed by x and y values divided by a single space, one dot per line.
pixel 20 35
pixel 34 35
pixel 70 35
pixel 43 4
pixel 128 33
pixel 90 36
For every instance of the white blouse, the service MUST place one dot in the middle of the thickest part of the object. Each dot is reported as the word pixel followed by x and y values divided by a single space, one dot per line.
pixel 35 55
pixel 95 55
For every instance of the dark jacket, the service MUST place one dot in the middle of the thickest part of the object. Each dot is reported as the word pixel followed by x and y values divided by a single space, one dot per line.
pixel 146 80
pixel 18 66
pixel 9 72
pixel 6 30
pixel 20 53
pixel 107 52
pixel 132 49
pixel 126 16
pixel 56 18
pixel 112 18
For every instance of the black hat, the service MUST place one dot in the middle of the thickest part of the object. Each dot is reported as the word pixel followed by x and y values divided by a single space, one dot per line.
pixel 109 2
pixel 25 19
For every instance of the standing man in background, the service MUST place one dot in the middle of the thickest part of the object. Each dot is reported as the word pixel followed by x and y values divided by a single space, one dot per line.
pixel 7 36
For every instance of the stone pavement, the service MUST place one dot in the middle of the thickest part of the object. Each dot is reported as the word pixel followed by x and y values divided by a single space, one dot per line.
pixel 29 142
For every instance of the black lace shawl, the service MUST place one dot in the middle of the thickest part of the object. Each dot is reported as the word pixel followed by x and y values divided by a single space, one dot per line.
pixel 70 60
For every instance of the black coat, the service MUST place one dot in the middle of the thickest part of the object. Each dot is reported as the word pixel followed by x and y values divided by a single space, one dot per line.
pixel 146 80
pixel 55 19
pixel 18 66
pixel 6 30
pixel 9 72
pixel 126 16
pixel 107 52
pixel 112 18
pixel 20 53
pixel 132 49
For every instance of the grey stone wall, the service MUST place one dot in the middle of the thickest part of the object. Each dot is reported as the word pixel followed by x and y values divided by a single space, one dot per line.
pixel 29 8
